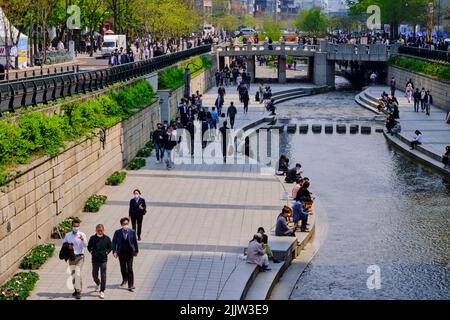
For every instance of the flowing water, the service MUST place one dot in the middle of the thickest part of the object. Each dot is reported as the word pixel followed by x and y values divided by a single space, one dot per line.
pixel 380 208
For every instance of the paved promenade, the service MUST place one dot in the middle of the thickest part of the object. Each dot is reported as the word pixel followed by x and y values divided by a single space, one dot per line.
pixel 200 218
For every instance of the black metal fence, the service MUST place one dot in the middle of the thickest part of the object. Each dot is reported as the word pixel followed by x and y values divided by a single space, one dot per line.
pixel 16 94
pixel 425 53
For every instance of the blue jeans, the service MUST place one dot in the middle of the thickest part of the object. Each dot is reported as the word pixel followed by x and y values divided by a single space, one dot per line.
pixel 168 158
pixel 159 151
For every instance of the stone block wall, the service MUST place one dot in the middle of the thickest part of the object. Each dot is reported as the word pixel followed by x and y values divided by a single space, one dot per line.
pixel 52 189
pixel 440 90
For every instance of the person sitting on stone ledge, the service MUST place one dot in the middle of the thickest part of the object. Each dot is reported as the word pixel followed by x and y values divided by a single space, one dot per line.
pixel 390 123
pixel 293 174
pixel 418 139
pixel 265 240
pixel 283 165
pixel 446 158
pixel 256 253
pixel 396 129
pixel 282 228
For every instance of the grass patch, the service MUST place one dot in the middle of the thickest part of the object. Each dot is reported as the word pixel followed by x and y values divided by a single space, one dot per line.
pixel 37 256
pixel 432 69
pixel 136 164
pixel 19 286
pixel 116 178
pixel 94 203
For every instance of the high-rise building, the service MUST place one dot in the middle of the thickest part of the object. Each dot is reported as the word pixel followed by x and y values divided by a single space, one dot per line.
pixel 204 5
pixel 309 4
pixel 336 7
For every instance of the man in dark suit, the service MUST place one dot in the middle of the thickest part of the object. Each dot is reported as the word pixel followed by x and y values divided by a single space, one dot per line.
pixel 138 209
pixel 125 246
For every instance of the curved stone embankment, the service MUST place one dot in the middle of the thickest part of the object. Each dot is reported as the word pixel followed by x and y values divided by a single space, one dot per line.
pixel 435 130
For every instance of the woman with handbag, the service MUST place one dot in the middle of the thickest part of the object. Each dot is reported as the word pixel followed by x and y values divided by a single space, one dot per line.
pixel 138 209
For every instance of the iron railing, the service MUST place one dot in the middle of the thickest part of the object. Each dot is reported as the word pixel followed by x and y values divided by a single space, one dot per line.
pixel 30 92
pixel 425 53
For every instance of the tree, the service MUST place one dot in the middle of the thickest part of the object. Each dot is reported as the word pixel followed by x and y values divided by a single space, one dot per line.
pixel 344 24
pixel 92 16
pixel 248 21
pixel 313 21
pixel 272 30
pixel 228 23
pixel 392 12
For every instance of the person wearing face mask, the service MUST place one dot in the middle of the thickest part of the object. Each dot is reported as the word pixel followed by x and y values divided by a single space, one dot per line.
pixel 137 211
pixel 125 247
pixel 77 241
pixel 99 246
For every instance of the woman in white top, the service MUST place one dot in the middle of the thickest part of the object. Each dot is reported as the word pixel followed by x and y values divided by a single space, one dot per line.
pixel 418 139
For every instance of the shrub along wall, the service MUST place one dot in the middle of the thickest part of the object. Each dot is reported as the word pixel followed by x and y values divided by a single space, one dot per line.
pixel 56 184
pixel 201 80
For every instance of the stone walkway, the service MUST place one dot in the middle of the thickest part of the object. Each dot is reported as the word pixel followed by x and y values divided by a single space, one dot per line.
pixel 200 218
pixel 436 132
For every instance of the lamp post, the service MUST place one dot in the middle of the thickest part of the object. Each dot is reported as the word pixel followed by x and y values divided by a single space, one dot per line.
pixel 187 79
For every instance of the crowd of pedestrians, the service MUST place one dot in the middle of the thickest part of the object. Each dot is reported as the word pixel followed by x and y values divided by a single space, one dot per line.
pixel 124 247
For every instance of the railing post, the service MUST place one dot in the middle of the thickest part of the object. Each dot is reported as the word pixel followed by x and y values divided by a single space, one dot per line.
pixel 54 89
pixel 24 95
pixel 11 99
pixel 44 95
pixel 33 98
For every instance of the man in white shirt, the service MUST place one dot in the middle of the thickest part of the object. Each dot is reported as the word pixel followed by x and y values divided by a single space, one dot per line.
pixel 60 45
pixel 78 242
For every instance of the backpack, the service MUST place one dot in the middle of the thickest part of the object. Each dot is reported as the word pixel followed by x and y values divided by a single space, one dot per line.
pixel 257 96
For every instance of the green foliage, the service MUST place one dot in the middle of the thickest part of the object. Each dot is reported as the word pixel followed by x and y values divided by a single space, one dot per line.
pixel 116 178
pixel 173 77
pixel 313 21
pixel 272 30
pixel 429 68
pixel 144 153
pixel 37 256
pixel 94 202
pixel 150 144
pixel 136 164
pixel 64 227
pixel 19 287
pixel 38 134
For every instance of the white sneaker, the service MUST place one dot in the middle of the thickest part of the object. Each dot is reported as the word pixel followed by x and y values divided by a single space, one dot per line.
pixel 158 161
pixel 102 295
pixel 97 288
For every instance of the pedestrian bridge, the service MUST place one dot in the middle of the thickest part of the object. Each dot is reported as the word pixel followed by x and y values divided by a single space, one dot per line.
pixel 322 57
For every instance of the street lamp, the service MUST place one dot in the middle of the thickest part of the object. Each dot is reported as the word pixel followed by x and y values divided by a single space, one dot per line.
pixel 187 79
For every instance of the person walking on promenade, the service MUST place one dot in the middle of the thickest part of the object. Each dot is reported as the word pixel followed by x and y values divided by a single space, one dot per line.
pixel 99 246
pixel 428 102
pixel 261 93
pixel 418 139
pixel 245 100
pixel 77 242
pixel 393 85
pixel 423 94
pixel 125 247
pixel 416 97
pixel 231 113
pixel 158 139
pixel 169 143
pixel 225 135
pixel 221 92
pixel 410 82
pixel 446 158
pixel 409 92
pixel 137 211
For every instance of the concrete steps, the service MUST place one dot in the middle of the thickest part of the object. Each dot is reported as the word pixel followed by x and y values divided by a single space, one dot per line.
pixel 366 103
pixel 402 144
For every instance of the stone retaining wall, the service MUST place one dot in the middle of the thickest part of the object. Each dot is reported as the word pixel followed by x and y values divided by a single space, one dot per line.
pixel 440 90
pixel 52 189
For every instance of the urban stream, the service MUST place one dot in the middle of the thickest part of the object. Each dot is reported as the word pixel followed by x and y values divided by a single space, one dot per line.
pixel 381 210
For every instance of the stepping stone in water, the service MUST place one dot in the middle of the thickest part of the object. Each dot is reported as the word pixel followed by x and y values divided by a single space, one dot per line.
pixel 354 128
pixel 303 128
pixel 316 128
pixel 341 128
pixel 379 129
pixel 329 128
pixel 291 128
pixel 366 130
